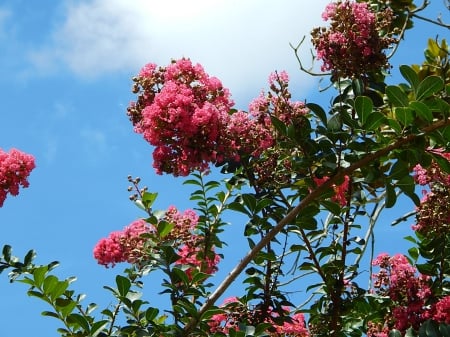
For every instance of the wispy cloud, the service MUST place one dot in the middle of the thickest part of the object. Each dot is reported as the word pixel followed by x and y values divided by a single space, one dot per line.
pixel 240 42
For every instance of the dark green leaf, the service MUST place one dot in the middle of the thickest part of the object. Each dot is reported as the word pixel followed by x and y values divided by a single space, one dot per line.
pixel 375 120
pixel 123 285
pixel 50 314
pixel 151 313
pixel 318 111
pixel 335 122
pixel 410 75
pixel 429 86
pixel 80 320
pixel 7 253
pixel 399 170
pixel 391 196
pixel 397 96
pixel 395 333
pixel 363 107
pixel 422 110
pixel 97 328
pixel 279 125
pixel 405 116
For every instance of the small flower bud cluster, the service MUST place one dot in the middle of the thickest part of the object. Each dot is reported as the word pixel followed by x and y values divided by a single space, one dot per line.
pixel 15 167
pixel 352 46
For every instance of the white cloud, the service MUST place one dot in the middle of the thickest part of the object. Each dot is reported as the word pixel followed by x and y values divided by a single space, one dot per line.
pixel 240 42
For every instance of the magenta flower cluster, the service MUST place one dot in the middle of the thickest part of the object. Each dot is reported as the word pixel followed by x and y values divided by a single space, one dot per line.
pixel 15 167
pixel 186 115
pixel 410 294
pixel 181 111
pixel 132 246
pixel 352 46
pixel 433 213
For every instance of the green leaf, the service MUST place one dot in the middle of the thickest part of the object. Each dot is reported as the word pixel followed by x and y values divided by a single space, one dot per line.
pixel 80 320
pixel 49 284
pixel 249 201
pixel 7 253
pixel 397 96
pixel 405 116
pixel 335 122
pixel 148 199
pixel 59 289
pixel 375 120
pixel 29 257
pixel 391 196
pixel 410 75
pixel 164 228
pixel 318 111
pixel 50 314
pixel 399 170
pixel 422 110
pixel 123 285
pixel 429 86
pixel 363 107
pixel 395 333
pixel 279 125
pixel 333 207
pixel 151 313
pixel 97 327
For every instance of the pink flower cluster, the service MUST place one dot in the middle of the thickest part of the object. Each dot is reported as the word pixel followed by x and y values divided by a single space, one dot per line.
pixel 433 213
pixel 130 245
pixel 185 114
pixel 15 167
pixel 180 111
pixel 236 312
pixel 352 45
pixel 127 245
pixel 409 292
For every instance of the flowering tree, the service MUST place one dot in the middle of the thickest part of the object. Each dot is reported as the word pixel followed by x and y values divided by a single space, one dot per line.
pixel 310 185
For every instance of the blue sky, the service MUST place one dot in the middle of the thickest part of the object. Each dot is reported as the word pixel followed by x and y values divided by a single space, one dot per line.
pixel 66 69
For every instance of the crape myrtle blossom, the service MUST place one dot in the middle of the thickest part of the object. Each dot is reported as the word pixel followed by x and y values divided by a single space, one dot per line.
pixel 186 115
pixel 352 45
pixel 410 294
pixel 15 167
pixel 132 246
pixel 433 213
pixel 180 110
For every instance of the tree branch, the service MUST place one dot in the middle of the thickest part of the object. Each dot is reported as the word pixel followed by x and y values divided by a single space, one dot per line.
pixel 290 217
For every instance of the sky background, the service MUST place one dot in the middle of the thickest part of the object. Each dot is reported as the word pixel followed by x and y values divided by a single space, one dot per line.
pixel 65 83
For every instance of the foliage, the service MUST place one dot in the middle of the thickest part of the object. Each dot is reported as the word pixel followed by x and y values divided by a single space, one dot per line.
pixel 310 185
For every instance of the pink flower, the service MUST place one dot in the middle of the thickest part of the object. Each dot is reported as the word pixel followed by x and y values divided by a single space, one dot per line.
pixel 127 245
pixel 15 167
pixel 351 45
pixel 442 308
